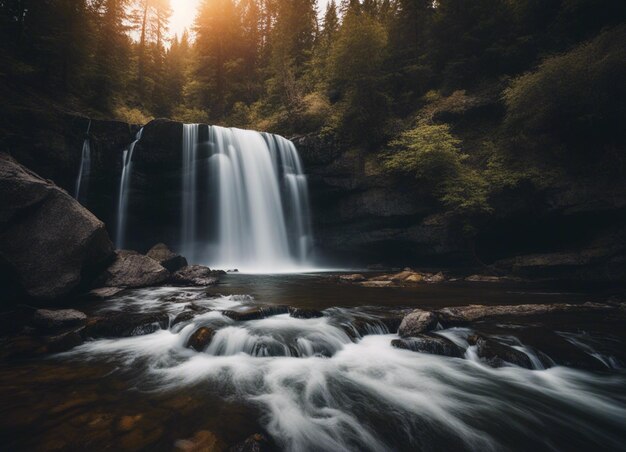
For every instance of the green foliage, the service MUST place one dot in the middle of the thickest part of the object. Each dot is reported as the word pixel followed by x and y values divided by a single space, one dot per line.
pixel 575 101
pixel 433 156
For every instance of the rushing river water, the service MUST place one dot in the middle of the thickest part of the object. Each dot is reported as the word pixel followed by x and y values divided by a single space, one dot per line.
pixel 327 383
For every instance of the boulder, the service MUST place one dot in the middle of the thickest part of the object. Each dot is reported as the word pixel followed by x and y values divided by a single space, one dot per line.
pixel 123 324
pixel 48 241
pixel 256 313
pixel 168 259
pixel 102 293
pixel 417 322
pixel 497 354
pixel 301 313
pixel 195 275
pixel 46 319
pixel 432 344
pixel 200 338
pixel 134 270
pixel 184 316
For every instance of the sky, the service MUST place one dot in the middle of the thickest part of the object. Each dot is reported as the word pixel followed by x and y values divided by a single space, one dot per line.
pixel 184 14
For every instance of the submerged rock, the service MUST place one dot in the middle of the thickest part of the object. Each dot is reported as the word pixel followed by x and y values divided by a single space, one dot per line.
pixel 49 243
pixel 123 324
pixel 200 338
pixel 417 322
pixel 432 344
pixel 168 259
pixel 497 354
pixel 134 270
pixel 58 319
pixel 254 443
pixel 195 275
pixel 202 441
pixel 301 313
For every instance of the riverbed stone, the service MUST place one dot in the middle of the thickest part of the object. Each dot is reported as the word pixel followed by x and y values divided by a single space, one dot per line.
pixel 497 354
pixel 254 443
pixel 201 338
pixel 195 275
pixel 302 313
pixel 123 324
pixel 47 319
pixel 417 322
pixel 49 243
pixel 201 441
pixel 133 270
pixel 431 344
pixel 166 257
pixel 355 277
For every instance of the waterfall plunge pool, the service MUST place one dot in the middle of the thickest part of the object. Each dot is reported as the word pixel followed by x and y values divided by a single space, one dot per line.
pixel 326 383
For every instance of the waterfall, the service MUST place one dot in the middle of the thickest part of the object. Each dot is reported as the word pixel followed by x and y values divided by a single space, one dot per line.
pixel 256 207
pixel 189 190
pixel 122 203
pixel 82 181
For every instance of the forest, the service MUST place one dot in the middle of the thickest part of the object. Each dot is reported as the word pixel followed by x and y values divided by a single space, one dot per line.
pixel 379 75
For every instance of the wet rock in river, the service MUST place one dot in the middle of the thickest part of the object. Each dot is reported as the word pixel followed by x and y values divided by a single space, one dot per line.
pixel 355 277
pixel 417 322
pixel 254 443
pixel 102 293
pixel 166 257
pixel 497 354
pixel 201 338
pixel 432 344
pixel 301 313
pixel 125 325
pixel 202 441
pixel 465 314
pixel 256 313
pixel 64 342
pixel 134 270
pixel 195 275
pixel 58 319
pixel 184 316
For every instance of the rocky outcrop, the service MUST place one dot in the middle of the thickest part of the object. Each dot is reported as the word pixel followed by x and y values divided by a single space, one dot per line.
pixel 168 259
pixel 124 325
pixel 416 323
pixel 131 269
pixel 195 275
pixel 58 319
pixel 48 241
pixel 431 344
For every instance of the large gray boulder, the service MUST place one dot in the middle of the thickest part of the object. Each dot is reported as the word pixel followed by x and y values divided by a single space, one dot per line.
pixel 49 243
pixel 132 269
pixel 196 275
pixel 167 258
pixel 417 322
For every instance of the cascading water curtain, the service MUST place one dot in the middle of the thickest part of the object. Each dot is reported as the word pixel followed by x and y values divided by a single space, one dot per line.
pixel 259 205
pixel 123 196
pixel 82 181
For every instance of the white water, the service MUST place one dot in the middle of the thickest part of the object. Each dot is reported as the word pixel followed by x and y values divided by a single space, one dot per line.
pixel 82 181
pixel 320 390
pixel 123 195
pixel 260 209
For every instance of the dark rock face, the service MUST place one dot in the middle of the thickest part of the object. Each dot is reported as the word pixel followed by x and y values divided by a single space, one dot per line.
pixel 168 259
pixel 201 338
pixel 300 313
pixel 497 354
pixel 134 270
pixel 124 325
pixel 47 240
pixel 417 322
pixel 195 275
pixel 432 344
pixel 58 319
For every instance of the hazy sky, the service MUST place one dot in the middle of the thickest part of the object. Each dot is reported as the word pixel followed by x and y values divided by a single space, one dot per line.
pixel 184 13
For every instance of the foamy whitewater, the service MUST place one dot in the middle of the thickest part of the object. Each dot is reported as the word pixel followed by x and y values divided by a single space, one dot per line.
pixel 335 383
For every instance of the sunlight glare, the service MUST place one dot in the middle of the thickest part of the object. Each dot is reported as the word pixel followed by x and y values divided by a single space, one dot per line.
pixel 183 16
